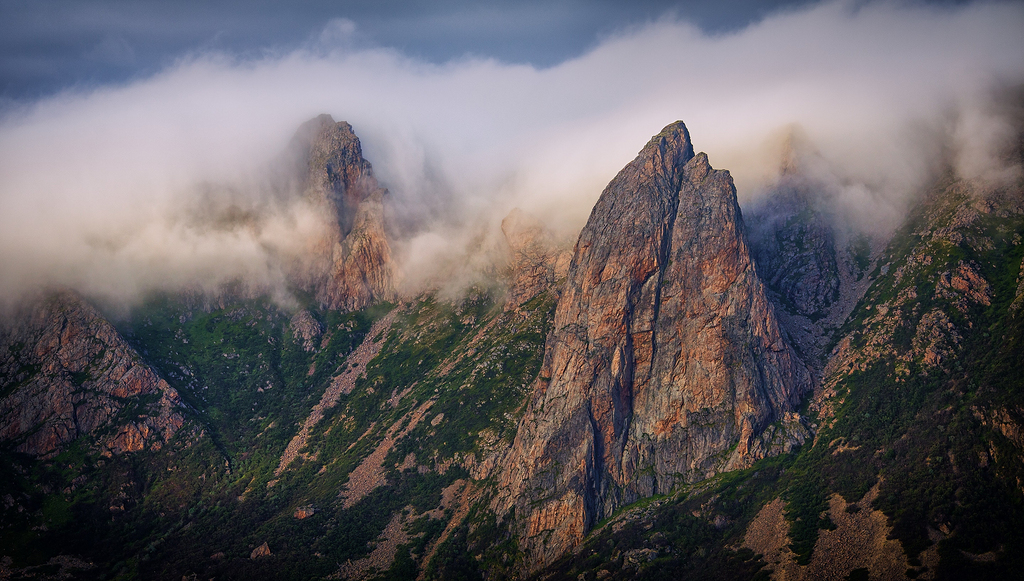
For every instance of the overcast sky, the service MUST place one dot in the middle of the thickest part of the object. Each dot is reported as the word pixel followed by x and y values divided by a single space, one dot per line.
pixel 48 45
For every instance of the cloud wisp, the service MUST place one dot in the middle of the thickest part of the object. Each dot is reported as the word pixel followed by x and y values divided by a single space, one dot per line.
pixel 167 182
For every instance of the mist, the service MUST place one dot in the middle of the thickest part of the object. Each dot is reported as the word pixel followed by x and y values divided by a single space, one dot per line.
pixel 171 182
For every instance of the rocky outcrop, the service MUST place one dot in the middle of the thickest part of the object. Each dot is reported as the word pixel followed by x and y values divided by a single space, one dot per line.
pixel 535 261
pixel 260 552
pixel 306 330
pixel 1018 300
pixel 66 372
pixel 666 364
pixel 354 267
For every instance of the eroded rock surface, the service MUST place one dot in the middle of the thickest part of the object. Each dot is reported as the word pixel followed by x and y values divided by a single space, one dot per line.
pixel 795 247
pixel 666 363
pixel 814 265
pixel 65 372
pixel 306 330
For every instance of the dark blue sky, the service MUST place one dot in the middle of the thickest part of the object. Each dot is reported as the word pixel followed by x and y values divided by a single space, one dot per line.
pixel 49 45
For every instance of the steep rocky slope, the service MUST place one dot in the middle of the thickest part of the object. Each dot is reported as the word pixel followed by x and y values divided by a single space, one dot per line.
pixel 795 249
pixel 666 364
pixel 813 263
pixel 66 372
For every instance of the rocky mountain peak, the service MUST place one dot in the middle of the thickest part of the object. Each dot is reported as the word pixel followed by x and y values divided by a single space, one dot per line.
pixel 355 257
pixel 665 353
pixel 336 172
pixel 663 155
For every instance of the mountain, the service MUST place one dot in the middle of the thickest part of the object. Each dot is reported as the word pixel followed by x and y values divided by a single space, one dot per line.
pixel 692 392
pixel 666 364
pixel 915 467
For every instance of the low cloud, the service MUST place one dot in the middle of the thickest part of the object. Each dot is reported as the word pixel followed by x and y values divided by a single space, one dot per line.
pixel 169 182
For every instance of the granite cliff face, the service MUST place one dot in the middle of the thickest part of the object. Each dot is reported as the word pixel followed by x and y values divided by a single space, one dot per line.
pixel 353 261
pixel 666 363
pixel 66 372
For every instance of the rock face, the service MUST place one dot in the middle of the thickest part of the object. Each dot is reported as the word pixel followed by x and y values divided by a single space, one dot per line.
pixel 535 260
pixel 1018 300
pixel 794 246
pixel 260 551
pixel 66 372
pixel 813 263
pixel 666 363
pixel 354 256
pixel 306 330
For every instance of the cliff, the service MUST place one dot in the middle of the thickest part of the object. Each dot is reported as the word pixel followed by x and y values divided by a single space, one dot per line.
pixel 666 364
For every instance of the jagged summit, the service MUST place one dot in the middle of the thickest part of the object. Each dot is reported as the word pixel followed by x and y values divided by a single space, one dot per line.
pixel 353 264
pixel 665 353
pixel 336 171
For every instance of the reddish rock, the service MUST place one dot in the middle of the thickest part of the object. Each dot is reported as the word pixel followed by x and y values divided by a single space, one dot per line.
pixel 260 551
pixel 65 372
pixel 1018 300
pixel 666 363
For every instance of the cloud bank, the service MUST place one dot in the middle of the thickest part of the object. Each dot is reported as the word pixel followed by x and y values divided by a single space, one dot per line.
pixel 167 182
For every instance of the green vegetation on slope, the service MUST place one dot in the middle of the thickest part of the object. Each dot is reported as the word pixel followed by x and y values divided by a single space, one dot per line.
pixel 203 502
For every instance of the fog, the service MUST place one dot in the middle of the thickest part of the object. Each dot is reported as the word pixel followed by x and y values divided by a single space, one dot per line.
pixel 169 182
